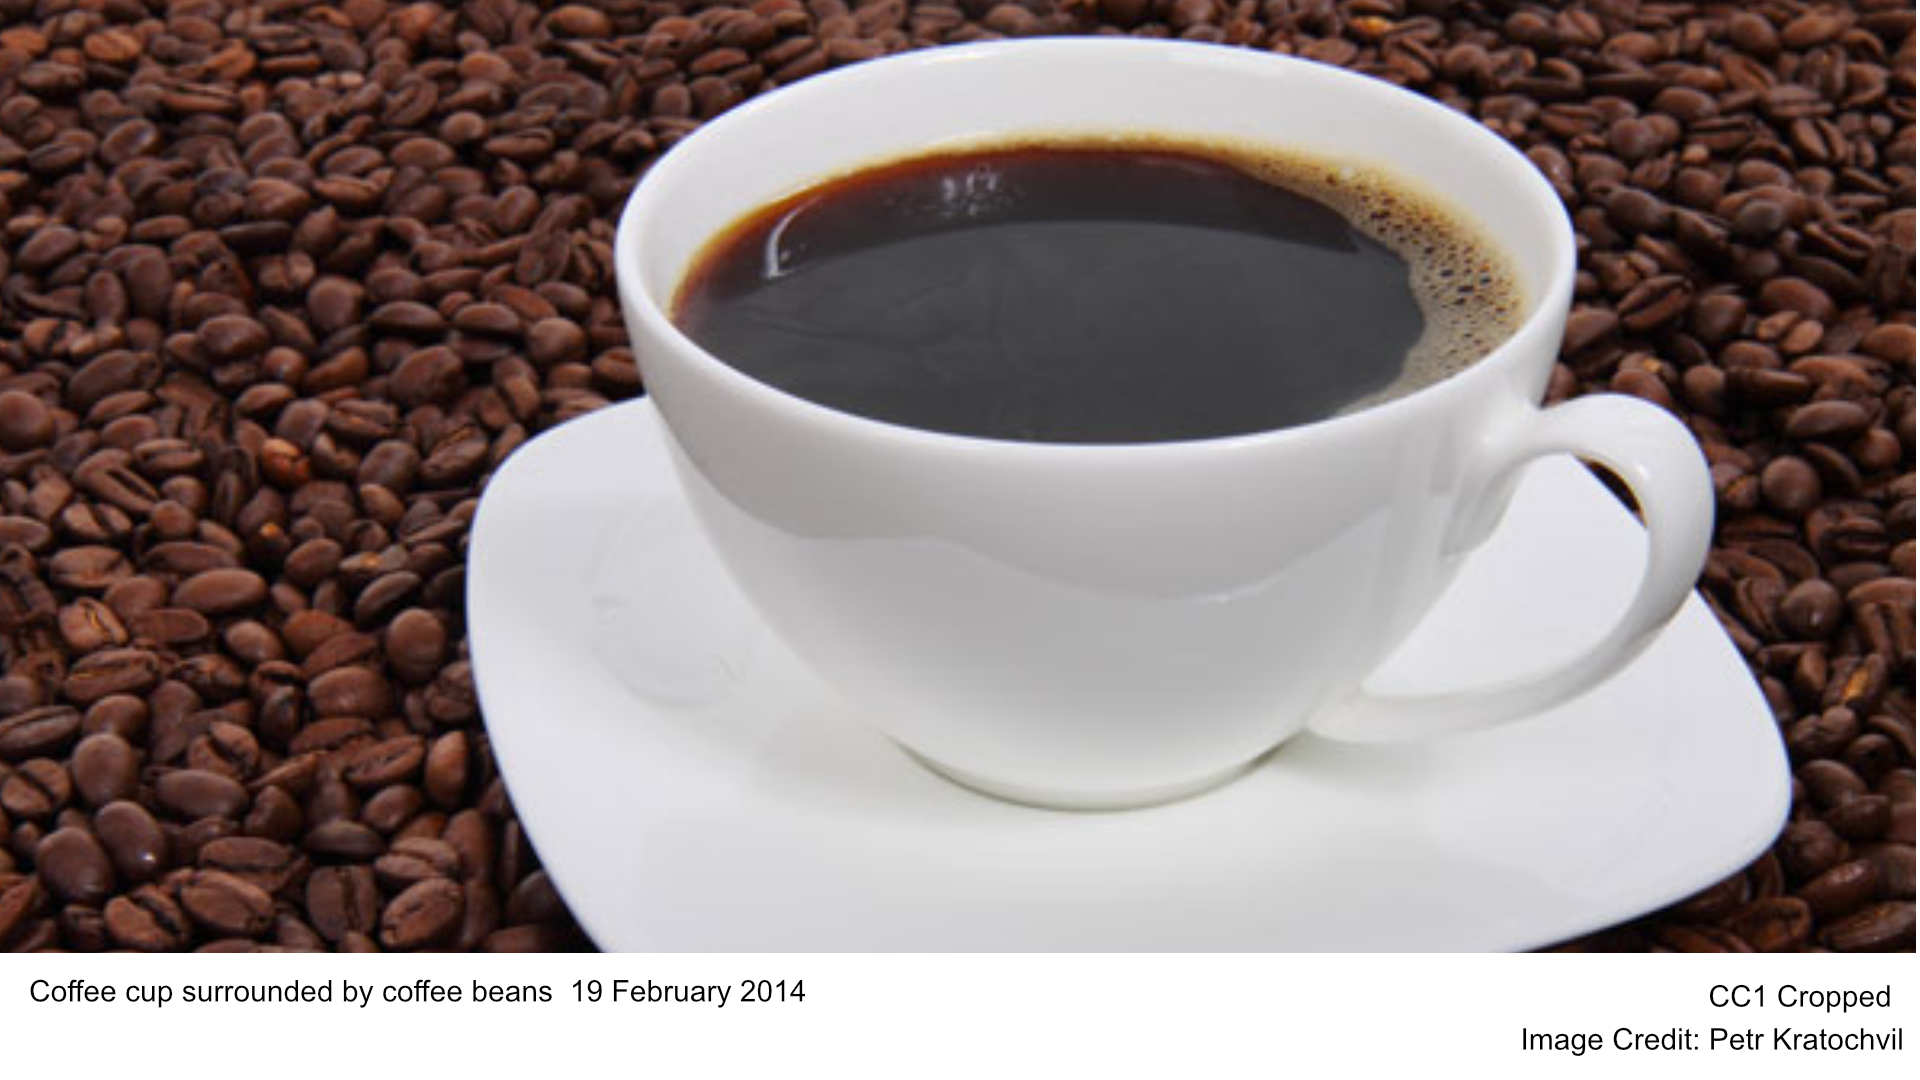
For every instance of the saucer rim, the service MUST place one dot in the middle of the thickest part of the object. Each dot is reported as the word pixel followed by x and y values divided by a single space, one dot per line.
pixel 525 464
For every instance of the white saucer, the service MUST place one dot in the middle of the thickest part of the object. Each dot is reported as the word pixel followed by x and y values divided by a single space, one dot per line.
pixel 689 787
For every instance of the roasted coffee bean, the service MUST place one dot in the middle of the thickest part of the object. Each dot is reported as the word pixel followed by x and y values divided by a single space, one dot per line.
pixel 133 839
pixel 147 919
pixel 415 859
pixel 416 645
pixel 263 863
pixel 221 592
pixel 344 840
pixel 197 793
pixel 1866 817
pixel 1895 862
pixel 1824 735
pixel 21 897
pixel 110 672
pixel 1831 784
pixel 383 763
pixel 35 790
pixel 1810 848
pixel 275 815
pixel 429 912
pixel 1811 610
pixel 225 905
pixel 1842 889
pixel 25 422
pixel 479 916
pixel 1773 925
pixel 74 866
pixel 341 900
pixel 1880 927
pixel 447 769
pixel 38 732
pixel 391 807
pixel 106 768
pixel 535 900
pixel 351 691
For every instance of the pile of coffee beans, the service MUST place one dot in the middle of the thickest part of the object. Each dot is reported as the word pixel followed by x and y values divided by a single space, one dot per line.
pixel 283 281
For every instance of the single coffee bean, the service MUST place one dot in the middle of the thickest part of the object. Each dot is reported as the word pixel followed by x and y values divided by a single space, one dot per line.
pixel 196 793
pixel 221 592
pixel 389 762
pixel 1810 848
pixel 1823 735
pixel 415 859
pixel 148 920
pixel 35 790
pixel 1773 925
pixel 479 916
pixel 1894 861
pixel 1881 927
pixel 90 568
pixel 275 815
pixel 351 691
pixel 1830 783
pixel 470 835
pixel 171 628
pixel 110 672
pixel 416 644
pixel 344 839
pixel 392 807
pixel 293 935
pixel 340 650
pixel 21 897
pixel 1865 817
pixel 106 768
pixel 132 839
pixel 342 900
pixel 38 732
pixel 447 765
pixel 1790 485
pixel 227 338
pixel 25 423
pixel 226 905
pixel 1811 610
pixel 426 914
pixel 534 899
pixel 264 863
pixel 74 866
pixel 1842 889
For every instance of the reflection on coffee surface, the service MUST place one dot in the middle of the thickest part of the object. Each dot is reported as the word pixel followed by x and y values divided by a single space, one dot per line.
pixel 1100 292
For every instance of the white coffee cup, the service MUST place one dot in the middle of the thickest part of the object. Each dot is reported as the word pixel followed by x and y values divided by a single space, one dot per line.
pixel 1114 625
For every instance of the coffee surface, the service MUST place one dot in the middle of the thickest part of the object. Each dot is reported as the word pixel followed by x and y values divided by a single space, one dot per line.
pixel 1097 293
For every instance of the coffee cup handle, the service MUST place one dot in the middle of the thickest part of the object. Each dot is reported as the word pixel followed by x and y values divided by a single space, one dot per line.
pixel 1658 460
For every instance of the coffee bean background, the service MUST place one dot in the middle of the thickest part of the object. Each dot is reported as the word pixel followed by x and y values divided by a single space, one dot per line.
pixel 282 282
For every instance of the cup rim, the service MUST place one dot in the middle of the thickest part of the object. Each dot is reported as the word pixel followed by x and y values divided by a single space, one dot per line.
pixel 1547 304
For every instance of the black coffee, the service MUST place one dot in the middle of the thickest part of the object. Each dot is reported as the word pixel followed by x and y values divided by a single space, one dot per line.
pixel 1098 293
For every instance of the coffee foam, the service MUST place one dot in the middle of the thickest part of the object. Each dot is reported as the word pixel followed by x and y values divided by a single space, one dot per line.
pixel 1467 289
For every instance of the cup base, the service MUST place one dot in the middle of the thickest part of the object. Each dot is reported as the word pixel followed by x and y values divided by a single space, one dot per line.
pixel 1052 799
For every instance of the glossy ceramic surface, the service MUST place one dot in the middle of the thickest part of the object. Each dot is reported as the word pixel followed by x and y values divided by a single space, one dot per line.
pixel 1105 625
pixel 691 787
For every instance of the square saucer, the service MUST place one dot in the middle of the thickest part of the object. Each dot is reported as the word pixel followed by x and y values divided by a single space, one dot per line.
pixel 691 787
